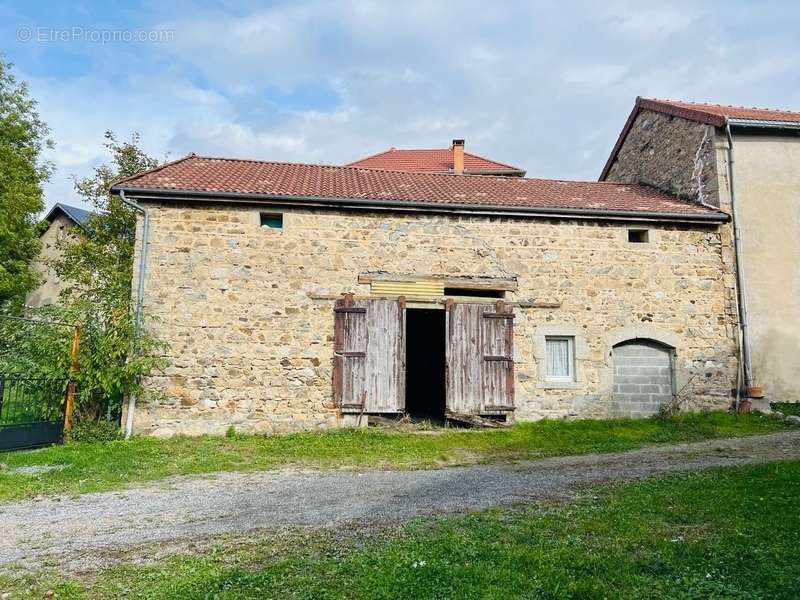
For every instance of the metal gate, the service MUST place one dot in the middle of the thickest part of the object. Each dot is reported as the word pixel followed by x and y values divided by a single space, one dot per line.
pixel 31 412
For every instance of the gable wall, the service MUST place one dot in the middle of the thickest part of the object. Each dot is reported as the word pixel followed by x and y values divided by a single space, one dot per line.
pixel 251 345
pixel 50 287
pixel 670 154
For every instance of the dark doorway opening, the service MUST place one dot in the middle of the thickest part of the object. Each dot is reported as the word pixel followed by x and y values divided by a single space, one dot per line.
pixel 425 363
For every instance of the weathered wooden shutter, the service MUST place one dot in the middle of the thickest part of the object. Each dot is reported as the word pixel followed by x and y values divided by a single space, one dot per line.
pixel 480 358
pixel 369 373
pixel 498 358
pixel 349 355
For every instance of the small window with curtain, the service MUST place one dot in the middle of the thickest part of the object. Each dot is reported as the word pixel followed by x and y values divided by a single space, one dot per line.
pixel 560 358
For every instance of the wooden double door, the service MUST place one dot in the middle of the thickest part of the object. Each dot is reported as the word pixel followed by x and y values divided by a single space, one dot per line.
pixel 370 356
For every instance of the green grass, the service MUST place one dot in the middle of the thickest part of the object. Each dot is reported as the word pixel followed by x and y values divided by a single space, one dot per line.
pixel 787 408
pixel 115 465
pixel 729 533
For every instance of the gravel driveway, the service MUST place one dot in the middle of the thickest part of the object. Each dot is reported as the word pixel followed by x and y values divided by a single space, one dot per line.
pixel 43 530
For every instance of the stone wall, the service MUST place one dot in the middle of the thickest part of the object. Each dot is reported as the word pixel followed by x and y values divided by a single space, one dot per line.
pixel 671 154
pixel 250 339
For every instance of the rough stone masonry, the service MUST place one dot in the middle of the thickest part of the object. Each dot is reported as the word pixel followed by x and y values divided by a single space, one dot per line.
pixel 243 311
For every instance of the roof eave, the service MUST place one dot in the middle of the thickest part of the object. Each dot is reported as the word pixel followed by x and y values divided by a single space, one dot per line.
pixel 415 205
pixel 764 124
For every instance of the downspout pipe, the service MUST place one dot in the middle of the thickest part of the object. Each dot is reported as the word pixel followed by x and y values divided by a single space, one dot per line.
pixel 139 302
pixel 741 289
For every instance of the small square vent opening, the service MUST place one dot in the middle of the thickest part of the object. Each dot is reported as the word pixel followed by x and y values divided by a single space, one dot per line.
pixel 638 236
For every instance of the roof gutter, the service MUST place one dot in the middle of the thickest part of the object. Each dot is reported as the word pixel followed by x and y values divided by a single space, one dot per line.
pixel 460 208
pixel 741 290
pixel 761 124
pixel 139 296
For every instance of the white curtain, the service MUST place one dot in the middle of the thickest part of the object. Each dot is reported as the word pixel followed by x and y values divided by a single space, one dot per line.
pixel 559 358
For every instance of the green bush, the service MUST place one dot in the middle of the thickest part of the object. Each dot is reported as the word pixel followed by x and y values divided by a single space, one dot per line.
pixel 787 408
pixel 95 431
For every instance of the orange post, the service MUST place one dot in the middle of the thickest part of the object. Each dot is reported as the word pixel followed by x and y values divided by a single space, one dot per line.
pixel 69 406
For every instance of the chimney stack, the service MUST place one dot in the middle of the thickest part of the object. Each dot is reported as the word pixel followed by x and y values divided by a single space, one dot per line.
pixel 458 157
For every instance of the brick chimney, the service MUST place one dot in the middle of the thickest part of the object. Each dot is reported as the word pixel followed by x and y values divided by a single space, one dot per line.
pixel 458 157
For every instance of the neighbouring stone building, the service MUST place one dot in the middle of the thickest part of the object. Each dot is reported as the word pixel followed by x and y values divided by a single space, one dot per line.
pixel 60 220
pixel 301 296
pixel 685 149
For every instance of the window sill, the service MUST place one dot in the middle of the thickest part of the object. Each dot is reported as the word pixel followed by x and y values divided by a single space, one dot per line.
pixel 559 385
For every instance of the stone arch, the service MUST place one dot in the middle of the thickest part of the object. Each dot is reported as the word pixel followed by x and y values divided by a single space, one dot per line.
pixel 640 369
pixel 641 332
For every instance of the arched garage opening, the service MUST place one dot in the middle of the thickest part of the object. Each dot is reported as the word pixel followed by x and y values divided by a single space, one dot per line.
pixel 643 377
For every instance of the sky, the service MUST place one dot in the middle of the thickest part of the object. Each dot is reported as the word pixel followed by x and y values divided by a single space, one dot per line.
pixel 546 86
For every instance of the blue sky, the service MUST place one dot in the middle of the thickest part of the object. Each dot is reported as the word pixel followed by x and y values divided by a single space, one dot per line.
pixel 543 85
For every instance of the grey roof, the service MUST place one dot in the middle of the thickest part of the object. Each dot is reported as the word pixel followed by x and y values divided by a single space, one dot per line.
pixel 75 214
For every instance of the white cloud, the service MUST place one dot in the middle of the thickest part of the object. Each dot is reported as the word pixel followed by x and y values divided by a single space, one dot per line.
pixel 545 86
pixel 653 22
pixel 596 75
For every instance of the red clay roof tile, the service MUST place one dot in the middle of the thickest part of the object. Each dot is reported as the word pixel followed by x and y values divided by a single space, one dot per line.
pixel 716 114
pixel 437 160
pixel 285 181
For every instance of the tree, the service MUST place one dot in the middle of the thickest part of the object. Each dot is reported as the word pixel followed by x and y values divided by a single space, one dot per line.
pixel 96 264
pixel 23 138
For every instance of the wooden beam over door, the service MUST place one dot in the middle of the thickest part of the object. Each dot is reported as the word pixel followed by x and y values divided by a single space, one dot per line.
pixel 467 282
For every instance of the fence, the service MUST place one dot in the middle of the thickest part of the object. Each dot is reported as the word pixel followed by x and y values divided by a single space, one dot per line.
pixel 31 411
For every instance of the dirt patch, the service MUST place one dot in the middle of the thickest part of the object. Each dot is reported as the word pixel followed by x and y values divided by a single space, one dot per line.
pixel 32 470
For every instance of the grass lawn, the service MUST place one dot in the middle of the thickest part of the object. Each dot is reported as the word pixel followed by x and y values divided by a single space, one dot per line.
pixel 84 467
pixel 728 533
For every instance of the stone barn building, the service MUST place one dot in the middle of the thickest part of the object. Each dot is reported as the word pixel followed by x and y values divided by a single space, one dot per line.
pixel 294 296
